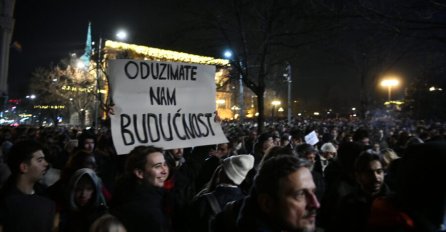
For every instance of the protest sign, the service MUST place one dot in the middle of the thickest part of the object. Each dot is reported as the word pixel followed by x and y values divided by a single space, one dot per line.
pixel 311 138
pixel 165 104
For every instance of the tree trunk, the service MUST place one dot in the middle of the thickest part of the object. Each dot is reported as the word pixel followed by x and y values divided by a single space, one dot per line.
pixel 261 107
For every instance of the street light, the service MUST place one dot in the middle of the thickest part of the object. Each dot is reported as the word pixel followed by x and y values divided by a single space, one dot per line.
pixel 228 55
pixel 389 83
pixel 121 35
pixel 274 103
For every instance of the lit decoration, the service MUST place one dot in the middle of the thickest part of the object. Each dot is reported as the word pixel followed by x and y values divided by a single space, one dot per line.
pixel 162 54
pixel 25 115
pixel 393 102
pixel 78 89
pixel 51 107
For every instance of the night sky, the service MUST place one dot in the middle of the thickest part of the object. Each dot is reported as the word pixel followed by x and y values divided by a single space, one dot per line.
pixel 49 30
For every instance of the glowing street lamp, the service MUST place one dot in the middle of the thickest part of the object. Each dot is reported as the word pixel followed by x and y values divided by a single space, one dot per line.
pixel 121 35
pixel 389 83
pixel 275 103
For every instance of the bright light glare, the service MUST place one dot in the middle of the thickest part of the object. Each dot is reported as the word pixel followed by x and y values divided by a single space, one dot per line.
pixel 121 35
pixel 227 54
pixel 275 103
pixel 389 82
pixel 80 64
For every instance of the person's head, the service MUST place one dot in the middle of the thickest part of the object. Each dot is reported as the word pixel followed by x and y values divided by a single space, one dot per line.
pixel 369 172
pixel 297 137
pixel 388 155
pixel 237 167
pixel 285 192
pixel 147 165
pixel 27 159
pixel 277 151
pixel 308 152
pixel 84 189
pixel 107 223
pixel 264 141
pixel 177 153
pixel 361 135
pixel 87 141
pixel 422 164
pixel 225 149
pixel 285 140
pixel 82 159
pixel 328 151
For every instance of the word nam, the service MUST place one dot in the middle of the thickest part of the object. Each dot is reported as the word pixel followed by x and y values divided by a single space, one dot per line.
pixel 162 96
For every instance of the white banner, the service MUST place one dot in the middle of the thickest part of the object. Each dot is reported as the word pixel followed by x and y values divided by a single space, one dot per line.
pixel 169 105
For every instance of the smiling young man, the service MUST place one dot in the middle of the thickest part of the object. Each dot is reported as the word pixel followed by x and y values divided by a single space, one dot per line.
pixel 138 200
pixel 22 206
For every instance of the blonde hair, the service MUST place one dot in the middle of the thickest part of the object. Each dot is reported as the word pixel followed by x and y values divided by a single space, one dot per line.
pixel 388 156
pixel 107 223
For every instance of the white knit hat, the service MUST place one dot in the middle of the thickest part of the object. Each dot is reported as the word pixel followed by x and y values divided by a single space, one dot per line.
pixel 328 147
pixel 236 167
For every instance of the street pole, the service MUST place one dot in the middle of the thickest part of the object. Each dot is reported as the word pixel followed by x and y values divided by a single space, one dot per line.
pixel 289 92
pixel 98 91
pixel 389 93
pixel 241 97
pixel 7 22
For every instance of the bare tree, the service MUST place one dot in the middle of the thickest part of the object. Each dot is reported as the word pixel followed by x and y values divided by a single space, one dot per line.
pixel 73 88
pixel 261 35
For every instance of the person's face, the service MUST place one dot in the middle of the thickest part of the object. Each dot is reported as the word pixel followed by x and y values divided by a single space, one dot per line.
pixel 89 145
pixel 296 206
pixel 36 167
pixel 329 155
pixel 223 149
pixel 268 143
pixel 334 133
pixel 84 191
pixel 311 156
pixel 276 141
pixel 155 170
pixel 372 179
pixel 365 141
pixel 177 153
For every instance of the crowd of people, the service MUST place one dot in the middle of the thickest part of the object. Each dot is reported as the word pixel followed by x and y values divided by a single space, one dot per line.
pixel 357 176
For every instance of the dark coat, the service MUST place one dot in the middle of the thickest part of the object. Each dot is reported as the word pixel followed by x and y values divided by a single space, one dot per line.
pixel 354 211
pixel 202 211
pixel 140 208
pixel 23 212
pixel 251 218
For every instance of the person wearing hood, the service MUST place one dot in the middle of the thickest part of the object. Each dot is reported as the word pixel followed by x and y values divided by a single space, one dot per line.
pixel 84 201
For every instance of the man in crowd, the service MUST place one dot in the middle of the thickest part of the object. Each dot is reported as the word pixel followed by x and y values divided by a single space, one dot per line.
pixel 354 209
pixel 22 206
pixel 283 198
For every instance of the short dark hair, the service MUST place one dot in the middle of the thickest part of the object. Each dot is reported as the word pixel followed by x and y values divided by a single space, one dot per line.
pixel 84 136
pixel 362 162
pixel 137 158
pixel 21 152
pixel 267 179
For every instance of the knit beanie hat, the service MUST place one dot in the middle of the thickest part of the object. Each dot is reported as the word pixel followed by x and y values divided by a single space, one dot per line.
pixel 236 167
pixel 328 147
